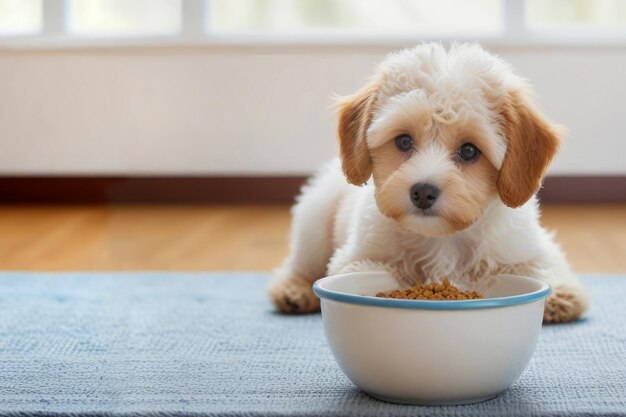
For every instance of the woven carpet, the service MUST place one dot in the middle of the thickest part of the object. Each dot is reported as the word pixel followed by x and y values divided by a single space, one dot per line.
pixel 209 344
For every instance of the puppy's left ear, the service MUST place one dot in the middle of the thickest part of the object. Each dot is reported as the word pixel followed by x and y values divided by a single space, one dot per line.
pixel 355 115
pixel 532 143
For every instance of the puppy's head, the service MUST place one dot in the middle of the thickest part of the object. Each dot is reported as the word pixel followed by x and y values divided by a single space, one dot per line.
pixel 444 134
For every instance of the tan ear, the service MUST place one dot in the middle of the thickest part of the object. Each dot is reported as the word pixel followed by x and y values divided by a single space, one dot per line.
pixel 532 143
pixel 355 114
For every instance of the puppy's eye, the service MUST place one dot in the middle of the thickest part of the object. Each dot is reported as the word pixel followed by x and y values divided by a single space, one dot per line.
pixel 404 143
pixel 468 152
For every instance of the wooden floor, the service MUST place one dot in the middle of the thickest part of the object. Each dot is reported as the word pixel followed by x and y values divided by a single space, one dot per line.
pixel 230 238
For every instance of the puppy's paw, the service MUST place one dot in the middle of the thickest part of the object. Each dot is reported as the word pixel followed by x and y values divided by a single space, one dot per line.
pixel 567 302
pixel 293 295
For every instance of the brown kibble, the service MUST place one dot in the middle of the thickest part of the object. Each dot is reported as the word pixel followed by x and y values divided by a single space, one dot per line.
pixel 432 291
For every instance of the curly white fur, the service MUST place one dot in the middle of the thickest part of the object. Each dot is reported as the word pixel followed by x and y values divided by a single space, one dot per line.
pixel 432 94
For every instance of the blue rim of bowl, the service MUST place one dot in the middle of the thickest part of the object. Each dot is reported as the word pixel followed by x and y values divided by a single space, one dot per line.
pixel 481 303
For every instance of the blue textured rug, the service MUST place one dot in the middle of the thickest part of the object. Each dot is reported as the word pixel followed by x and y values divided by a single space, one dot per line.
pixel 209 344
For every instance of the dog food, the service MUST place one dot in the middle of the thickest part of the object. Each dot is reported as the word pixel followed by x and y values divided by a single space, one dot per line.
pixel 432 291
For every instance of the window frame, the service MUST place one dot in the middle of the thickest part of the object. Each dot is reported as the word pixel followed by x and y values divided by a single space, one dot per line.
pixel 195 31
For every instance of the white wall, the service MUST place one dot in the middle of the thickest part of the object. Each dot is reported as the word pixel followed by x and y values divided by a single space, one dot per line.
pixel 244 110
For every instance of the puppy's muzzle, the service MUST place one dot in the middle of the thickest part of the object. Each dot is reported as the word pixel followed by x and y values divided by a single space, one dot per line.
pixel 424 195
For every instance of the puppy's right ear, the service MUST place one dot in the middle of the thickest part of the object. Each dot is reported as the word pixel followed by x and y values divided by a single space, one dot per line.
pixel 355 114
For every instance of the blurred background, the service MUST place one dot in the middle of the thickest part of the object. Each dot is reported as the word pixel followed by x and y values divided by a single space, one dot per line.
pixel 174 134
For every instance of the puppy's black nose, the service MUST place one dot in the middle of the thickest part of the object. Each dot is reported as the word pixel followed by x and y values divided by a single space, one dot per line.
pixel 424 195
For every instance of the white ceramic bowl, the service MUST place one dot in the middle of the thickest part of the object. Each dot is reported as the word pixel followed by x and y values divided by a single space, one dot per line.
pixel 431 352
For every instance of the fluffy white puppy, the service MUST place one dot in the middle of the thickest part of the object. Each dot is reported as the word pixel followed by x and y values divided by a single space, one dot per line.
pixel 445 152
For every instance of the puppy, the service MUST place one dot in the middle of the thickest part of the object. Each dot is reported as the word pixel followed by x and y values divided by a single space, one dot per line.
pixel 443 152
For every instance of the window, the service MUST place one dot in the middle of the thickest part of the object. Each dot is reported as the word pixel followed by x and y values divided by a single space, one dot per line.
pixel 124 17
pixel 202 20
pixel 357 16
pixel 19 17
pixel 597 15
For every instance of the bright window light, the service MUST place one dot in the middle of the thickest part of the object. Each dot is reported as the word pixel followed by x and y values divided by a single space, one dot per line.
pixel 601 15
pixel 356 16
pixel 18 17
pixel 203 20
pixel 125 17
